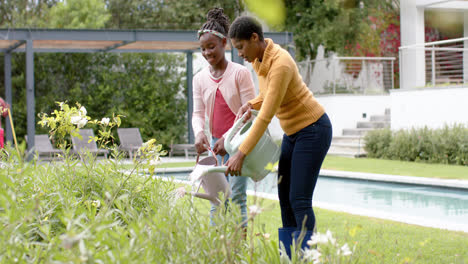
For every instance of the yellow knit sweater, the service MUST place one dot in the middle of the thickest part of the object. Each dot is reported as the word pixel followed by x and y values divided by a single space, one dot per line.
pixel 282 93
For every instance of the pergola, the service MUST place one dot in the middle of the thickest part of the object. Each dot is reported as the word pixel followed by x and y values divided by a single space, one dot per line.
pixel 31 41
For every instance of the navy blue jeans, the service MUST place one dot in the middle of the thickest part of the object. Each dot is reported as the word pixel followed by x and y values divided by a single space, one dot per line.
pixel 301 157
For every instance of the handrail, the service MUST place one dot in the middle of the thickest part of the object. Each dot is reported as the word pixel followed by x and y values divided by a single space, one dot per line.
pixel 355 75
pixel 434 43
pixel 365 58
pixel 350 58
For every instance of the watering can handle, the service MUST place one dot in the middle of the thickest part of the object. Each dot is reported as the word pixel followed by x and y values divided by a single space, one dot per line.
pixel 214 155
pixel 238 125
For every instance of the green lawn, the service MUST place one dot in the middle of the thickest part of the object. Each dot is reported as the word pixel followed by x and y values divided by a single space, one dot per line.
pixel 381 166
pixel 177 164
pixel 376 240
pixel 396 167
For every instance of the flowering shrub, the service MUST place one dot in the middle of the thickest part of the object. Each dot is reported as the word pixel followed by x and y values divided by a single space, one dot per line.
pixel 68 120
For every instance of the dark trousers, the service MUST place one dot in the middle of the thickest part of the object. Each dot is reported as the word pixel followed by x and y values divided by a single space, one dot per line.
pixel 301 157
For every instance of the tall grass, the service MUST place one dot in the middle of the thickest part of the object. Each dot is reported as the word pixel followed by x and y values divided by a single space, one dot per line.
pixel 101 214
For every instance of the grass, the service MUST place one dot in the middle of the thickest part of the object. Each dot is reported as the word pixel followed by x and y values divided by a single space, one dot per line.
pixel 376 240
pixel 395 167
pixel 392 167
pixel 177 164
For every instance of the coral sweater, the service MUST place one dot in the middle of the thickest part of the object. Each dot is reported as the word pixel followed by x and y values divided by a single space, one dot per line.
pixel 236 87
pixel 282 93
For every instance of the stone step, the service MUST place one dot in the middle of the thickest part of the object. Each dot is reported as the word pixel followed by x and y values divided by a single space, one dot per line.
pixel 348 139
pixel 356 131
pixel 373 124
pixel 380 118
pixel 342 154
pixel 347 148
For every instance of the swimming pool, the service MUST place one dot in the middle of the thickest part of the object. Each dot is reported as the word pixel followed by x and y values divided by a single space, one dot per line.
pixel 416 204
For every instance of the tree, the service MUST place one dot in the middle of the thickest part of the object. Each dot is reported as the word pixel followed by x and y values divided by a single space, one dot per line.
pixel 24 13
pixel 167 14
pixel 140 86
pixel 335 24
pixel 79 14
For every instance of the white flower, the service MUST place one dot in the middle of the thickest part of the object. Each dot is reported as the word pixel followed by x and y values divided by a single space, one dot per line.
pixel 75 119
pixel 255 210
pixel 105 121
pixel 318 239
pixel 82 122
pixel 344 250
pixel 83 111
pixel 96 203
pixel 330 237
pixel 154 162
pixel 313 254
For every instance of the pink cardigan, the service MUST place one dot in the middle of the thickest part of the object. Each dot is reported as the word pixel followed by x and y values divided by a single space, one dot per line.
pixel 236 86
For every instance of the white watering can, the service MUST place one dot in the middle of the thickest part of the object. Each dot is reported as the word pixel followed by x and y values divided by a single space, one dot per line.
pixel 213 182
pixel 266 151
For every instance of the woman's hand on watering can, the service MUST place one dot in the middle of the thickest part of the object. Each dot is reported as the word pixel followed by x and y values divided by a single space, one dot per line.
pixel 245 108
pixel 235 163
pixel 218 147
pixel 201 142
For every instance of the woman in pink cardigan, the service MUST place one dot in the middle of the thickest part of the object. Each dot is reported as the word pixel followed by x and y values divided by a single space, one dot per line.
pixel 219 91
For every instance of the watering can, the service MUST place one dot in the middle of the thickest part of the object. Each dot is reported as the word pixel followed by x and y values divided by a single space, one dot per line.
pixel 213 182
pixel 266 151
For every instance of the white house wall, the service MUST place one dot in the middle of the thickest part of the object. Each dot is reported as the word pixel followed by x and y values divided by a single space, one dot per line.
pixel 346 110
pixel 429 107
pixel 465 45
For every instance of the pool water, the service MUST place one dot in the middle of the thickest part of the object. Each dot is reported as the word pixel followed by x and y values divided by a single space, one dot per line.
pixel 418 204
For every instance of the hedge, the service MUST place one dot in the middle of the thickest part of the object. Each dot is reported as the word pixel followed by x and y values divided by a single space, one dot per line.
pixel 447 145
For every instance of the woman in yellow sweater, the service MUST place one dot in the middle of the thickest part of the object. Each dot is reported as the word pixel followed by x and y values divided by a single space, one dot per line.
pixel 308 131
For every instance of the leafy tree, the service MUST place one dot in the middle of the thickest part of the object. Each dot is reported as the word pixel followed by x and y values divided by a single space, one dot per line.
pixel 24 13
pixel 336 24
pixel 149 89
pixel 326 23
pixel 78 14
pixel 166 14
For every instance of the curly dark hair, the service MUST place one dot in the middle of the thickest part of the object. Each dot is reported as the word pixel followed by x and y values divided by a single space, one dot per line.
pixel 217 20
pixel 244 26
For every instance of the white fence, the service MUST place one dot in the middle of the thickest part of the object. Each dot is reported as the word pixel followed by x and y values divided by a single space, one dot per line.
pixel 445 63
pixel 348 75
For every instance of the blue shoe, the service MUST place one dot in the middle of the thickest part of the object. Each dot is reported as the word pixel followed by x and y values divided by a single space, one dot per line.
pixel 285 236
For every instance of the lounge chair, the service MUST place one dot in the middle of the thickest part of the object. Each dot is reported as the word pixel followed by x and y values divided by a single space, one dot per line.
pixel 130 140
pixel 81 146
pixel 44 148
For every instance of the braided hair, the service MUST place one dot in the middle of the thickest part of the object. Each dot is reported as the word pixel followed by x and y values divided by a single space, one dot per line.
pixel 243 27
pixel 217 21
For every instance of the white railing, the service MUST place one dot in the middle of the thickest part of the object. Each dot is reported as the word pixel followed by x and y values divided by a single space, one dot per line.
pixel 439 63
pixel 348 75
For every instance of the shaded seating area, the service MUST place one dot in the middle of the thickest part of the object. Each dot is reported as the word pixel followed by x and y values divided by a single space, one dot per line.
pixel 44 148
pixel 130 140
pixel 81 146
pixel 187 150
